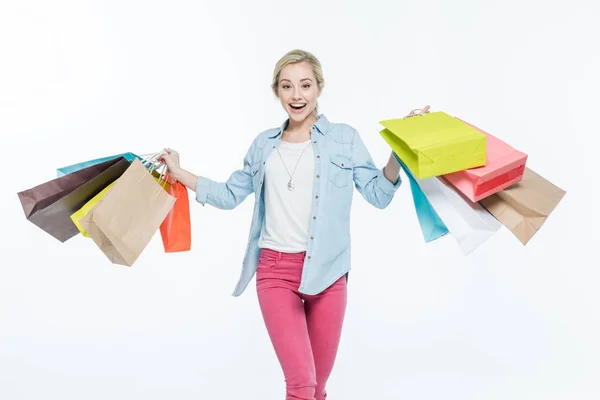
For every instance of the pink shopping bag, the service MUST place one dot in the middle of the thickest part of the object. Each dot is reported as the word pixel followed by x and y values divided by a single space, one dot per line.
pixel 504 167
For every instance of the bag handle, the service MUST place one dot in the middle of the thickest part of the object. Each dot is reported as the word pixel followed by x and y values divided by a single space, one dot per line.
pixel 417 112
pixel 152 164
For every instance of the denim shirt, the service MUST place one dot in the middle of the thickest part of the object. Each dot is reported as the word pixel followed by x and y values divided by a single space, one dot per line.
pixel 342 162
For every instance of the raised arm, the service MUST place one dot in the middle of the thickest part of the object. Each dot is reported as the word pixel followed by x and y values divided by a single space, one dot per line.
pixel 377 186
pixel 223 195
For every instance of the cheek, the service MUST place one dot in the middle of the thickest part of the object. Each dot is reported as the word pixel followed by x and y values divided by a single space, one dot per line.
pixel 283 97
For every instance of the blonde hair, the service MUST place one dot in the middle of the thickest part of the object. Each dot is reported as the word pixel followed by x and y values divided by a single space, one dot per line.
pixel 294 57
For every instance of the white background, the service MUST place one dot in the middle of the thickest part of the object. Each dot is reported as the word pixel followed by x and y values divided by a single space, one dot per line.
pixel 86 79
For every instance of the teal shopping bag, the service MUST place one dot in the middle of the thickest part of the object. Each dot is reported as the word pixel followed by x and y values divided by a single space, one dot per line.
pixel 431 224
pixel 76 167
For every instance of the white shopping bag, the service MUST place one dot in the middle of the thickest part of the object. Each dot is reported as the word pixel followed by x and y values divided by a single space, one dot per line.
pixel 469 223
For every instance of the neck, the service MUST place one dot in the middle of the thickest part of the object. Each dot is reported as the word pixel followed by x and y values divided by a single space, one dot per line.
pixel 295 126
pixel 297 132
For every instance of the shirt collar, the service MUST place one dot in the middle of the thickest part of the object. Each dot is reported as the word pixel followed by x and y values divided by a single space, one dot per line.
pixel 322 126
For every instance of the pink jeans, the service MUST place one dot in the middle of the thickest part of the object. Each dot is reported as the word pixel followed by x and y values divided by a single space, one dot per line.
pixel 305 329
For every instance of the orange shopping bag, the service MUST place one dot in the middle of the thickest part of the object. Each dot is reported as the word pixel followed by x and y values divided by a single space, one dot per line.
pixel 176 230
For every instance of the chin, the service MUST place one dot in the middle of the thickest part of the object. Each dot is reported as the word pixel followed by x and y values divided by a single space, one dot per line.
pixel 296 117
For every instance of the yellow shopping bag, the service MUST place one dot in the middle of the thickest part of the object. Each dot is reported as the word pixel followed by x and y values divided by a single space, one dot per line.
pixel 82 212
pixel 434 144
pixel 77 215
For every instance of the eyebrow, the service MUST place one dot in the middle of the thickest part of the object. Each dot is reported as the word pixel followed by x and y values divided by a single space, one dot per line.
pixel 301 80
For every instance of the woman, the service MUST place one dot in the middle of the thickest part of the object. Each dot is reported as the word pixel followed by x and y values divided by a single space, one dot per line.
pixel 302 174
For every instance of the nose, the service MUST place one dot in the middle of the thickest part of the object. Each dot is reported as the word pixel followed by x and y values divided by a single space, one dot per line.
pixel 296 94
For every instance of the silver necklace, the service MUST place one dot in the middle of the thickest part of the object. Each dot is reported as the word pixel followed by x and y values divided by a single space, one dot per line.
pixel 290 184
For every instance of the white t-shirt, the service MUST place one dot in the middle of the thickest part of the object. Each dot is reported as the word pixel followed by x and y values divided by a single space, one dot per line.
pixel 288 213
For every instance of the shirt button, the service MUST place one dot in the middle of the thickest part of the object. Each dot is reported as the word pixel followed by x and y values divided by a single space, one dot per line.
pixel 309 257
pixel 318 156
pixel 315 141
pixel 312 238
pixel 317 196
pixel 314 217
pixel 342 164
pixel 318 176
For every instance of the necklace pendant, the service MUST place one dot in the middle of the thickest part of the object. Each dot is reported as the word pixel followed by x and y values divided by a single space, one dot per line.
pixel 290 185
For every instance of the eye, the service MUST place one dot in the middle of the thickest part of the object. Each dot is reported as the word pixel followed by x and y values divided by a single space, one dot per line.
pixel 306 85
pixel 285 86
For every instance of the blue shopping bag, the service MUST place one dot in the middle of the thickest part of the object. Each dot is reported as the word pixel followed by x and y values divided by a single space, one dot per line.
pixel 431 224
pixel 76 167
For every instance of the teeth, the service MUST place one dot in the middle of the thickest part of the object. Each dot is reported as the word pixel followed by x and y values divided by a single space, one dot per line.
pixel 297 105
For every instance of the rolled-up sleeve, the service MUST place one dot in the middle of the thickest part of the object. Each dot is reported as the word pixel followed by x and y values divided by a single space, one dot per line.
pixel 386 186
pixel 202 189
pixel 370 180
pixel 229 194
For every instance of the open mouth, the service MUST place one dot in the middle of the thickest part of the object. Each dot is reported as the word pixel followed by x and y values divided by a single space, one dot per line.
pixel 297 106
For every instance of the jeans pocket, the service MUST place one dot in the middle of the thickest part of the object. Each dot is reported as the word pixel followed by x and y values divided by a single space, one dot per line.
pixel 266 262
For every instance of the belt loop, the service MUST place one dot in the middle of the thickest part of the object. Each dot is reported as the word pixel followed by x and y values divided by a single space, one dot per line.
pixel 278 256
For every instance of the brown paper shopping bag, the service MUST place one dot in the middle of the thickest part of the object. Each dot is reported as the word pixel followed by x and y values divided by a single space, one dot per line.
pixel 524 207
pixel 50 204
pixel 124 221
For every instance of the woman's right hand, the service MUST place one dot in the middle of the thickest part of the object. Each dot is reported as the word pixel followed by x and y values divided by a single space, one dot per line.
pixel 171 159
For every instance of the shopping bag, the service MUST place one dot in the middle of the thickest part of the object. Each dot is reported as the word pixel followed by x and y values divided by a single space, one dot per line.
pixel 51 204
pixel 504 167
pixel 76 167
pixel 469 223
pixel 434 143
pixel 176 229
pixel 82 212
pixel 524 207
pixel 123 222
pixel 79 214
pixel 432 227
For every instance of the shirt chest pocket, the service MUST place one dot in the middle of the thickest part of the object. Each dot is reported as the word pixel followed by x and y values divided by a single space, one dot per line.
pixel 341 168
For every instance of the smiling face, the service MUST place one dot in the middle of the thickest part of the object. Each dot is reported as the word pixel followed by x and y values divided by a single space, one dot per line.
pixel 298 91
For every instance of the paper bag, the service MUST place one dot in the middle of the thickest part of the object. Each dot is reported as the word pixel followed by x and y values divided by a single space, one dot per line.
pixel 434 144
pixel 76 167
pixel 524 207
pixel 124 221
pixel 469 223
pixel 176 229
pixel 432 227
pixel 504 167
pixel 51 204
pixel 82 212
